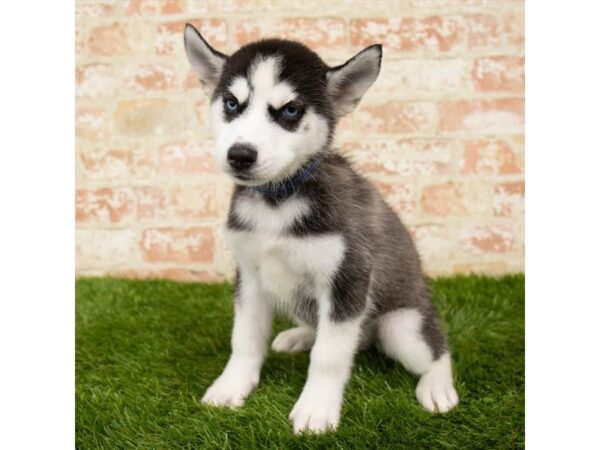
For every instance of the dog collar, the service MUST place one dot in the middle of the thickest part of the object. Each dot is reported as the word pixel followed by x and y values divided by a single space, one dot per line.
pixel 289 185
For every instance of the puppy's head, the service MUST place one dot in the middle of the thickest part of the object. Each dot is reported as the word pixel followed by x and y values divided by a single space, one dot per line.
pixel 275 103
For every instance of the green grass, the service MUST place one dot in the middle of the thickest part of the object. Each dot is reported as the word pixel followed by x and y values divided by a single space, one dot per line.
pixel 147 350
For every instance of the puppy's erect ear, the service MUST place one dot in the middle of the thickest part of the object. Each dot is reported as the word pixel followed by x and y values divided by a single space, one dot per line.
pixel 348 83
pixel 205 60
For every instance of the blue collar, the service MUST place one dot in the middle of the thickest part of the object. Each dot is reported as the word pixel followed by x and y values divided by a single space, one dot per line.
pixel 289 185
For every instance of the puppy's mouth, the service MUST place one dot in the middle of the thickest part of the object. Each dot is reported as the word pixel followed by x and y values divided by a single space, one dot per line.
pixel 242 176
pixel 258 176
pixel 248 178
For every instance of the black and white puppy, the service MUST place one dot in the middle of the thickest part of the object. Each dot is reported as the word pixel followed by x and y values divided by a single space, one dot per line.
pixel 311 237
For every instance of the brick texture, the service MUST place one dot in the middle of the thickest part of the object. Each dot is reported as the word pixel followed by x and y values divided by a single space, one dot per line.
pixel 318 33
pixel 433 34
pixel 170 244
pixel 441 132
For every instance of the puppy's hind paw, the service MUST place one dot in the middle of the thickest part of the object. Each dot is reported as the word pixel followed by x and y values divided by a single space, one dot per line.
pixel 435 390
pixel 300 339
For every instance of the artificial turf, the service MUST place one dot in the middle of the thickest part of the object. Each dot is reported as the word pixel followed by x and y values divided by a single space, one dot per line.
pixel 147 350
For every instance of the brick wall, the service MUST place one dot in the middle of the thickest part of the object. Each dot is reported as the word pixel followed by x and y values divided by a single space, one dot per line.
pixel 441 132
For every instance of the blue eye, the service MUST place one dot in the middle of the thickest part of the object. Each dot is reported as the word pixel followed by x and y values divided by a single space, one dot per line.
pixel 290 112
pixel 231 105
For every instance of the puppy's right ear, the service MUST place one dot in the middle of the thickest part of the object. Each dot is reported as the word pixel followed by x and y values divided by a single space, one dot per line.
pixel 206 61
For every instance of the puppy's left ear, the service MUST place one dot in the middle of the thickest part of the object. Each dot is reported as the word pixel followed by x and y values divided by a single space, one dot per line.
pixel 206 61
pixel 349 82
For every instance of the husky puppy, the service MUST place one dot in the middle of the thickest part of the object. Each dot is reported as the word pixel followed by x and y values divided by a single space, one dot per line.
pixel 311 237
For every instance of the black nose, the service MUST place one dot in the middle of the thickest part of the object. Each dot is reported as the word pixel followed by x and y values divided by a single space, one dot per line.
pixel 241 156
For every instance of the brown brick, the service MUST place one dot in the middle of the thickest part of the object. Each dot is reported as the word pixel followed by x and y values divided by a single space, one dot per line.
pixel 395 117
pixel 151 203
pixel 402 157
pixel 187 158
pixel 454 198
pixel 151 77
pixel 505 115
pixel 92 123
pixel 442 199
pixel 194 201
pixel 154 7
pixel 117 39
pixel 409 34
pixel 499 73
pixel 104 206
pixel 116 164
pixel 171 244
pixel 400 196
pixel 509 198
pixel 322 33
pixel 169 36
pixel 482 239
pixel 487 31
pixel 490 157
pixel 97 9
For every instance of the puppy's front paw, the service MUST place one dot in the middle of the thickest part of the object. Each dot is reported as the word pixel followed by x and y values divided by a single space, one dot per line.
pixel 299 339
pixel 316 411
pixel 230 391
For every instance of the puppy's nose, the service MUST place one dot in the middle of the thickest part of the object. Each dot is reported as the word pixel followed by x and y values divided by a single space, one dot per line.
pixel 241 156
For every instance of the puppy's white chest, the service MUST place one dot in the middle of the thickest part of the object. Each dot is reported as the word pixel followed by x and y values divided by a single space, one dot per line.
pixel 279 261
pixel 283 265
